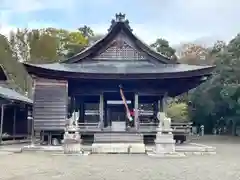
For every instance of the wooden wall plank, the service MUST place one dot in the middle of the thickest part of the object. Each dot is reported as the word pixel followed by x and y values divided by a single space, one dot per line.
pixel 50 104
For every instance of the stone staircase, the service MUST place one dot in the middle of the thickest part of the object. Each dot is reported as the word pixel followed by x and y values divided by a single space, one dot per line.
pixel 118 142
pixel 118 137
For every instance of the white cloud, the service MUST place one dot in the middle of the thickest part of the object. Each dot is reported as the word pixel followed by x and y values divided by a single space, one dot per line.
pixel 149 34
pixel 9 8
pixel 35 5
pixel 5 30
pixel 176 20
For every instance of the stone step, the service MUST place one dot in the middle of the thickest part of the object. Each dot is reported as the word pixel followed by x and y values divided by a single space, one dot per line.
pixel 118 148
pixel 117 137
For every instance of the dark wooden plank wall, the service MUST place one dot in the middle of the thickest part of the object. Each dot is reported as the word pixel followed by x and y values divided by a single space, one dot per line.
pixel 50 104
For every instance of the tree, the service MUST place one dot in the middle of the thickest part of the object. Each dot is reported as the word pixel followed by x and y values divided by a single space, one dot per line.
pixel 46 45
pixel 70 42
pixel 162 46
pixel 18 78
pixel 43 46
pixel 194 54
pixel 74 43
pixel 218 99
pixel 218 46
pixel 178 112
pixel 34 46
pixel 86 31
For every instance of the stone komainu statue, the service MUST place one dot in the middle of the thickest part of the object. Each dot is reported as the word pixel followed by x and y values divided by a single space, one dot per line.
pixel 164 121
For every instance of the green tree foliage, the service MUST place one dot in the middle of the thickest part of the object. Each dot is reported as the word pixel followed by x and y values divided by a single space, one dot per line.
pixel 43 46
pixel 86 31
pixel 74 43
pixel 178 112
pixel 36 46
pixel 218 98
pixel 46 45
pixel 18 78
pixel 218 46
pixel 162 46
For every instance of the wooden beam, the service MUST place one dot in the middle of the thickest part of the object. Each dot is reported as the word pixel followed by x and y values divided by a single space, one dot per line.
pixel 93 90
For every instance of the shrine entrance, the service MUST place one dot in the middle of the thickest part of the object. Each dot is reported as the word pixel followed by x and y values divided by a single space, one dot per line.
pixel 115 111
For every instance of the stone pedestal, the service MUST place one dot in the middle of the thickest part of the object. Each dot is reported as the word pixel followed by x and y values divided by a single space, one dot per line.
pixel 72 143
pixel 164 143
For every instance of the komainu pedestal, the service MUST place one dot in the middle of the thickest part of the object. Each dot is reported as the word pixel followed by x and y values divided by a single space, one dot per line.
pixel 164 142
pixel 72 143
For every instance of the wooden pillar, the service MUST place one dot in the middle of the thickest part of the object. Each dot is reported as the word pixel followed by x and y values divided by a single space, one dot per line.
pixel 29 122
pixel 81 111
pixel 105 114
pixel 74 111
pixel 136 119
pixel 160 105
pixel 155 109
pixel 1 123
pixel 30 118
pixel 14 121
pixel 101 111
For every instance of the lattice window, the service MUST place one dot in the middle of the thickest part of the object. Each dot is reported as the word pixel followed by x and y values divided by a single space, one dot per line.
pixel 120 50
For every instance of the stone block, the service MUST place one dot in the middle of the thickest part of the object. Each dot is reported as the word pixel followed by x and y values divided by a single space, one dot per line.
pixel 118 137
pixel 118 148
pixel 164 143
pixel 166 155
pixel 211 153
pixel 137 148
pixel 72 148
pixel 197 153
pixel 109 148
pixel 72 143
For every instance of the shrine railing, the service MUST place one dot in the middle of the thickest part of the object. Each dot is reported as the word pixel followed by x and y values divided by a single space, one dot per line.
pixel 148 126
pixel 184 128
pixel 178 128
pixel 181 127
pixel 89 126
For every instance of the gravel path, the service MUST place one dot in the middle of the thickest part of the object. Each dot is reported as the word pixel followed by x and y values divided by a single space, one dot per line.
pixel 36 166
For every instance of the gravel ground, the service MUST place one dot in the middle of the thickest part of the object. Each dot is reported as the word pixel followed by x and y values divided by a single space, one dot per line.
pixel 44 166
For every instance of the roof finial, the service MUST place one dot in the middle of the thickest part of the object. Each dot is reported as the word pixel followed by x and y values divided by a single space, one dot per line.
pixel 120 17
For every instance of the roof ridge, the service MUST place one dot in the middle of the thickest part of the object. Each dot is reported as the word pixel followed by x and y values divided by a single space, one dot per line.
pixel 117 25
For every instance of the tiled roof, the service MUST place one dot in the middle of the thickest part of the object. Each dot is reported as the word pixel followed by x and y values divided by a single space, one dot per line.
pixel 10 94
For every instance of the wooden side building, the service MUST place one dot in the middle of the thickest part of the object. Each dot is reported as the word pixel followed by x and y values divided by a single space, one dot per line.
pixel 14 122
pixel 89 81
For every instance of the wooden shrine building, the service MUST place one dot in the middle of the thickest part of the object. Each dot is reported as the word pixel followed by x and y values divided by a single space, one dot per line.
pixel 14 122
pixel 88 83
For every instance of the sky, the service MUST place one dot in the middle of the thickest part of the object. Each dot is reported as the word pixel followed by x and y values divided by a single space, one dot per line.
pixel 178 21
